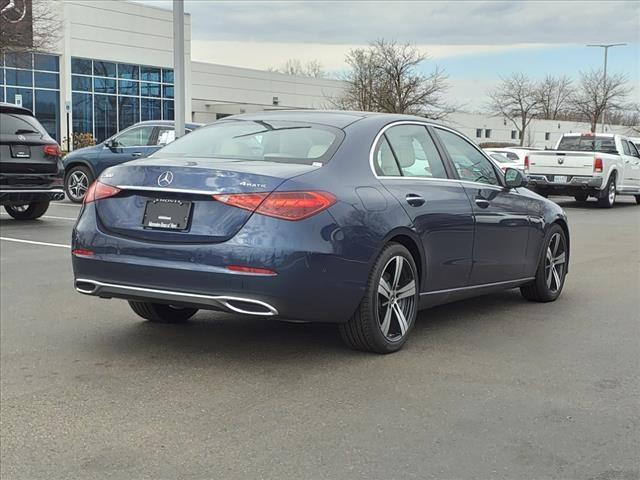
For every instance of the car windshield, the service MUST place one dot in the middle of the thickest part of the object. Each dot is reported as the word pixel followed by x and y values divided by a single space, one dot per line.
pixel 588 143
pixel 268 141
pixel 19 124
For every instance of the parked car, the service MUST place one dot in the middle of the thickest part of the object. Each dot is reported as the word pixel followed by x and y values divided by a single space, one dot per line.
pixel 587 165
pixel 514 154
pixel 319 217
pixel 83 166
pixel 30 166
pixel 504 162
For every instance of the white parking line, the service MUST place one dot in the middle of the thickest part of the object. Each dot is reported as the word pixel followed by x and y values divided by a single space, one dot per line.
pixel 78 206
pixel 48 216
pixel 33 242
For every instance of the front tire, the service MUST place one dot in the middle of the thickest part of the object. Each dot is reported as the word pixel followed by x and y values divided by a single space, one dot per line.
pixel 30 211
pixel 76 183
pixel 388 311
pixel 607 197
pixel 552 268
pixel 160 313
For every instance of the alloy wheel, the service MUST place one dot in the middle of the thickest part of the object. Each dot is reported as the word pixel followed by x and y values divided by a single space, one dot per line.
pixel 78 184
pixel 20 208
pixel 555 261
pixel 396 298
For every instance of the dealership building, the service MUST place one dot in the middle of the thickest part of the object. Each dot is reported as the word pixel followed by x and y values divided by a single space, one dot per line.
pixel 112 66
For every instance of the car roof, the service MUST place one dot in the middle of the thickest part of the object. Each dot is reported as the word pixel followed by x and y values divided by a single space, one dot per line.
pixel 11 108
pixel 167 122
pixel 334 118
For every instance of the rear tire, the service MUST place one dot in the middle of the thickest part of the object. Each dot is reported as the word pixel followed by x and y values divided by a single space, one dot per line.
pixel 30 211
pixel 607 197
pixel 76 183
pixel 581 198
pixel 552 268
pixel 161 313
pixel 637 199
pixel 388 311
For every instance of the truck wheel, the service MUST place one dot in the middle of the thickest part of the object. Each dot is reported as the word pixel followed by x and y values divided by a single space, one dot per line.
pixel 581 197
pixel 76 183
pixel 30 211
pixel 160 313
pixel 607 197
pixel 638 199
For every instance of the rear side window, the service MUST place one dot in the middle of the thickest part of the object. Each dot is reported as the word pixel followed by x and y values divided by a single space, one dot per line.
pixel 470 164
pixel 625 148
pixel 385 162
pixel 588 143
pixel 20 124
pixel 267 141
pixel 415 151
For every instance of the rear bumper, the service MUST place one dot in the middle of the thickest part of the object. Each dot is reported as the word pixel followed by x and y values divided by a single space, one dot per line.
pixel 313 283
pixel 31 195
pixel 574 185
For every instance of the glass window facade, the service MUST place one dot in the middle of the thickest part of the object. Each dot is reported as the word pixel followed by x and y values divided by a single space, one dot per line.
pixel 108 97
pixel 36 78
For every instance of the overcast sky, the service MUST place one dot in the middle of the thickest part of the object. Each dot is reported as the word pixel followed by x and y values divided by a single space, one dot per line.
pixel 474 41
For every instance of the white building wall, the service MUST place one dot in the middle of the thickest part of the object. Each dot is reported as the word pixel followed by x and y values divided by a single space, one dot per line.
pixel 222 89
pixel 540 133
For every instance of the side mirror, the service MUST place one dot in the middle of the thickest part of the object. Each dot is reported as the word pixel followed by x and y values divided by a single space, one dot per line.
pixel 514 178
pixel 111 143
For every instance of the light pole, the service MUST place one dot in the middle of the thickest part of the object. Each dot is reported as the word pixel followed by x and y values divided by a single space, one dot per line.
pixel 604 76
pixel 178 67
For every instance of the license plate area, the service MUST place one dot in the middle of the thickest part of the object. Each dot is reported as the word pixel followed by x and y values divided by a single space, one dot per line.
pixel 20 151
pixel 167 214
pixel 560 179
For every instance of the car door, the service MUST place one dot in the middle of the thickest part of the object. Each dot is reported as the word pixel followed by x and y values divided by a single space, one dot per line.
pixel 502 224
pixel 128 145
pixel 411 168
pixel 631 165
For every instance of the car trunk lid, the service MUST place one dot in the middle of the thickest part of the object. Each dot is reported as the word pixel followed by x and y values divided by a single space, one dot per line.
pixel 172 200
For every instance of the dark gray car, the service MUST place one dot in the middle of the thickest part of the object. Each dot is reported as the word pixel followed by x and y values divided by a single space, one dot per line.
pixel 30 167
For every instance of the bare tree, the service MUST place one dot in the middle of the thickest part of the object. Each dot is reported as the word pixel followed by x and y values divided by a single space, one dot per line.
pixel 554 94
pixel 516 98
pixel 594 94
pixel 628 116
pixel 30 26
pixel 385 77
pixel 294 66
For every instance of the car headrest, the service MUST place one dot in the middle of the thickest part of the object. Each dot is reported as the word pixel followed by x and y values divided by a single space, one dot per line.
pixel 405 153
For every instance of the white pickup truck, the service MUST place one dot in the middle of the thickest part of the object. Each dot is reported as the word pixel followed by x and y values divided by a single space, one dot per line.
pixel 587 165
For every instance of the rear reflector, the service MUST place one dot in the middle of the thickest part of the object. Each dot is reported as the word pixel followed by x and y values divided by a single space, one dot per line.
pixel 79 252
pixel 526 162
pixel 52 150
pixel 98 191
pixel 284 205
pixel 597 165
pixel 251 270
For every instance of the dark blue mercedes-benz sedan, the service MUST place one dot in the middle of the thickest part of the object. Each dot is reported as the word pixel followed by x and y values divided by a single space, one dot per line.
pixel 359 219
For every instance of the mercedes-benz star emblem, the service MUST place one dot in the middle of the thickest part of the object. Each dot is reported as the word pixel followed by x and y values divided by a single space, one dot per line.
pixel 165 179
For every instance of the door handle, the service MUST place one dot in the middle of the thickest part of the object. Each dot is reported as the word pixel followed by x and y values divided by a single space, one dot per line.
pixel 482 202
pixel 414 200
pixel 136 154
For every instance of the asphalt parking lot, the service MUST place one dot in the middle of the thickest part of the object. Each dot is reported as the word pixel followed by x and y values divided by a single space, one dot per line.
pixel 494 387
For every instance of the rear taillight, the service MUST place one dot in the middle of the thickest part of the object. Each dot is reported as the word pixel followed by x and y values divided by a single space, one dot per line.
pixel 526 162
pixel 98 191
pixel 597 165
pixel 81 252
pixel 284 205
pixel 52 150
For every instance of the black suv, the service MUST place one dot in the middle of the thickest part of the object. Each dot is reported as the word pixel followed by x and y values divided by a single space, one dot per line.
pixel 31 172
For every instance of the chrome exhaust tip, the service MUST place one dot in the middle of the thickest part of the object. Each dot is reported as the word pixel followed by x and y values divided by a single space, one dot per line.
pixel 86 286
pixel 247 306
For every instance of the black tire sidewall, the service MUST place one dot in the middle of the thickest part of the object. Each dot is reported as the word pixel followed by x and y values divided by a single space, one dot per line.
pixel 34 211
pixel 67 175
pixel 603 199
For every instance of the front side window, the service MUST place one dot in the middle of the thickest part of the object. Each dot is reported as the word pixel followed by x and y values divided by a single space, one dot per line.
pixel 625 148
pixel 260 140
pixel 470 164
pixel 136 137
pixel 415 151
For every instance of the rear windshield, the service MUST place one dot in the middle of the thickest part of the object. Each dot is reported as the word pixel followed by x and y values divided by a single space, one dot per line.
pixel 268 141
pixel 20 124
pixel 588 143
